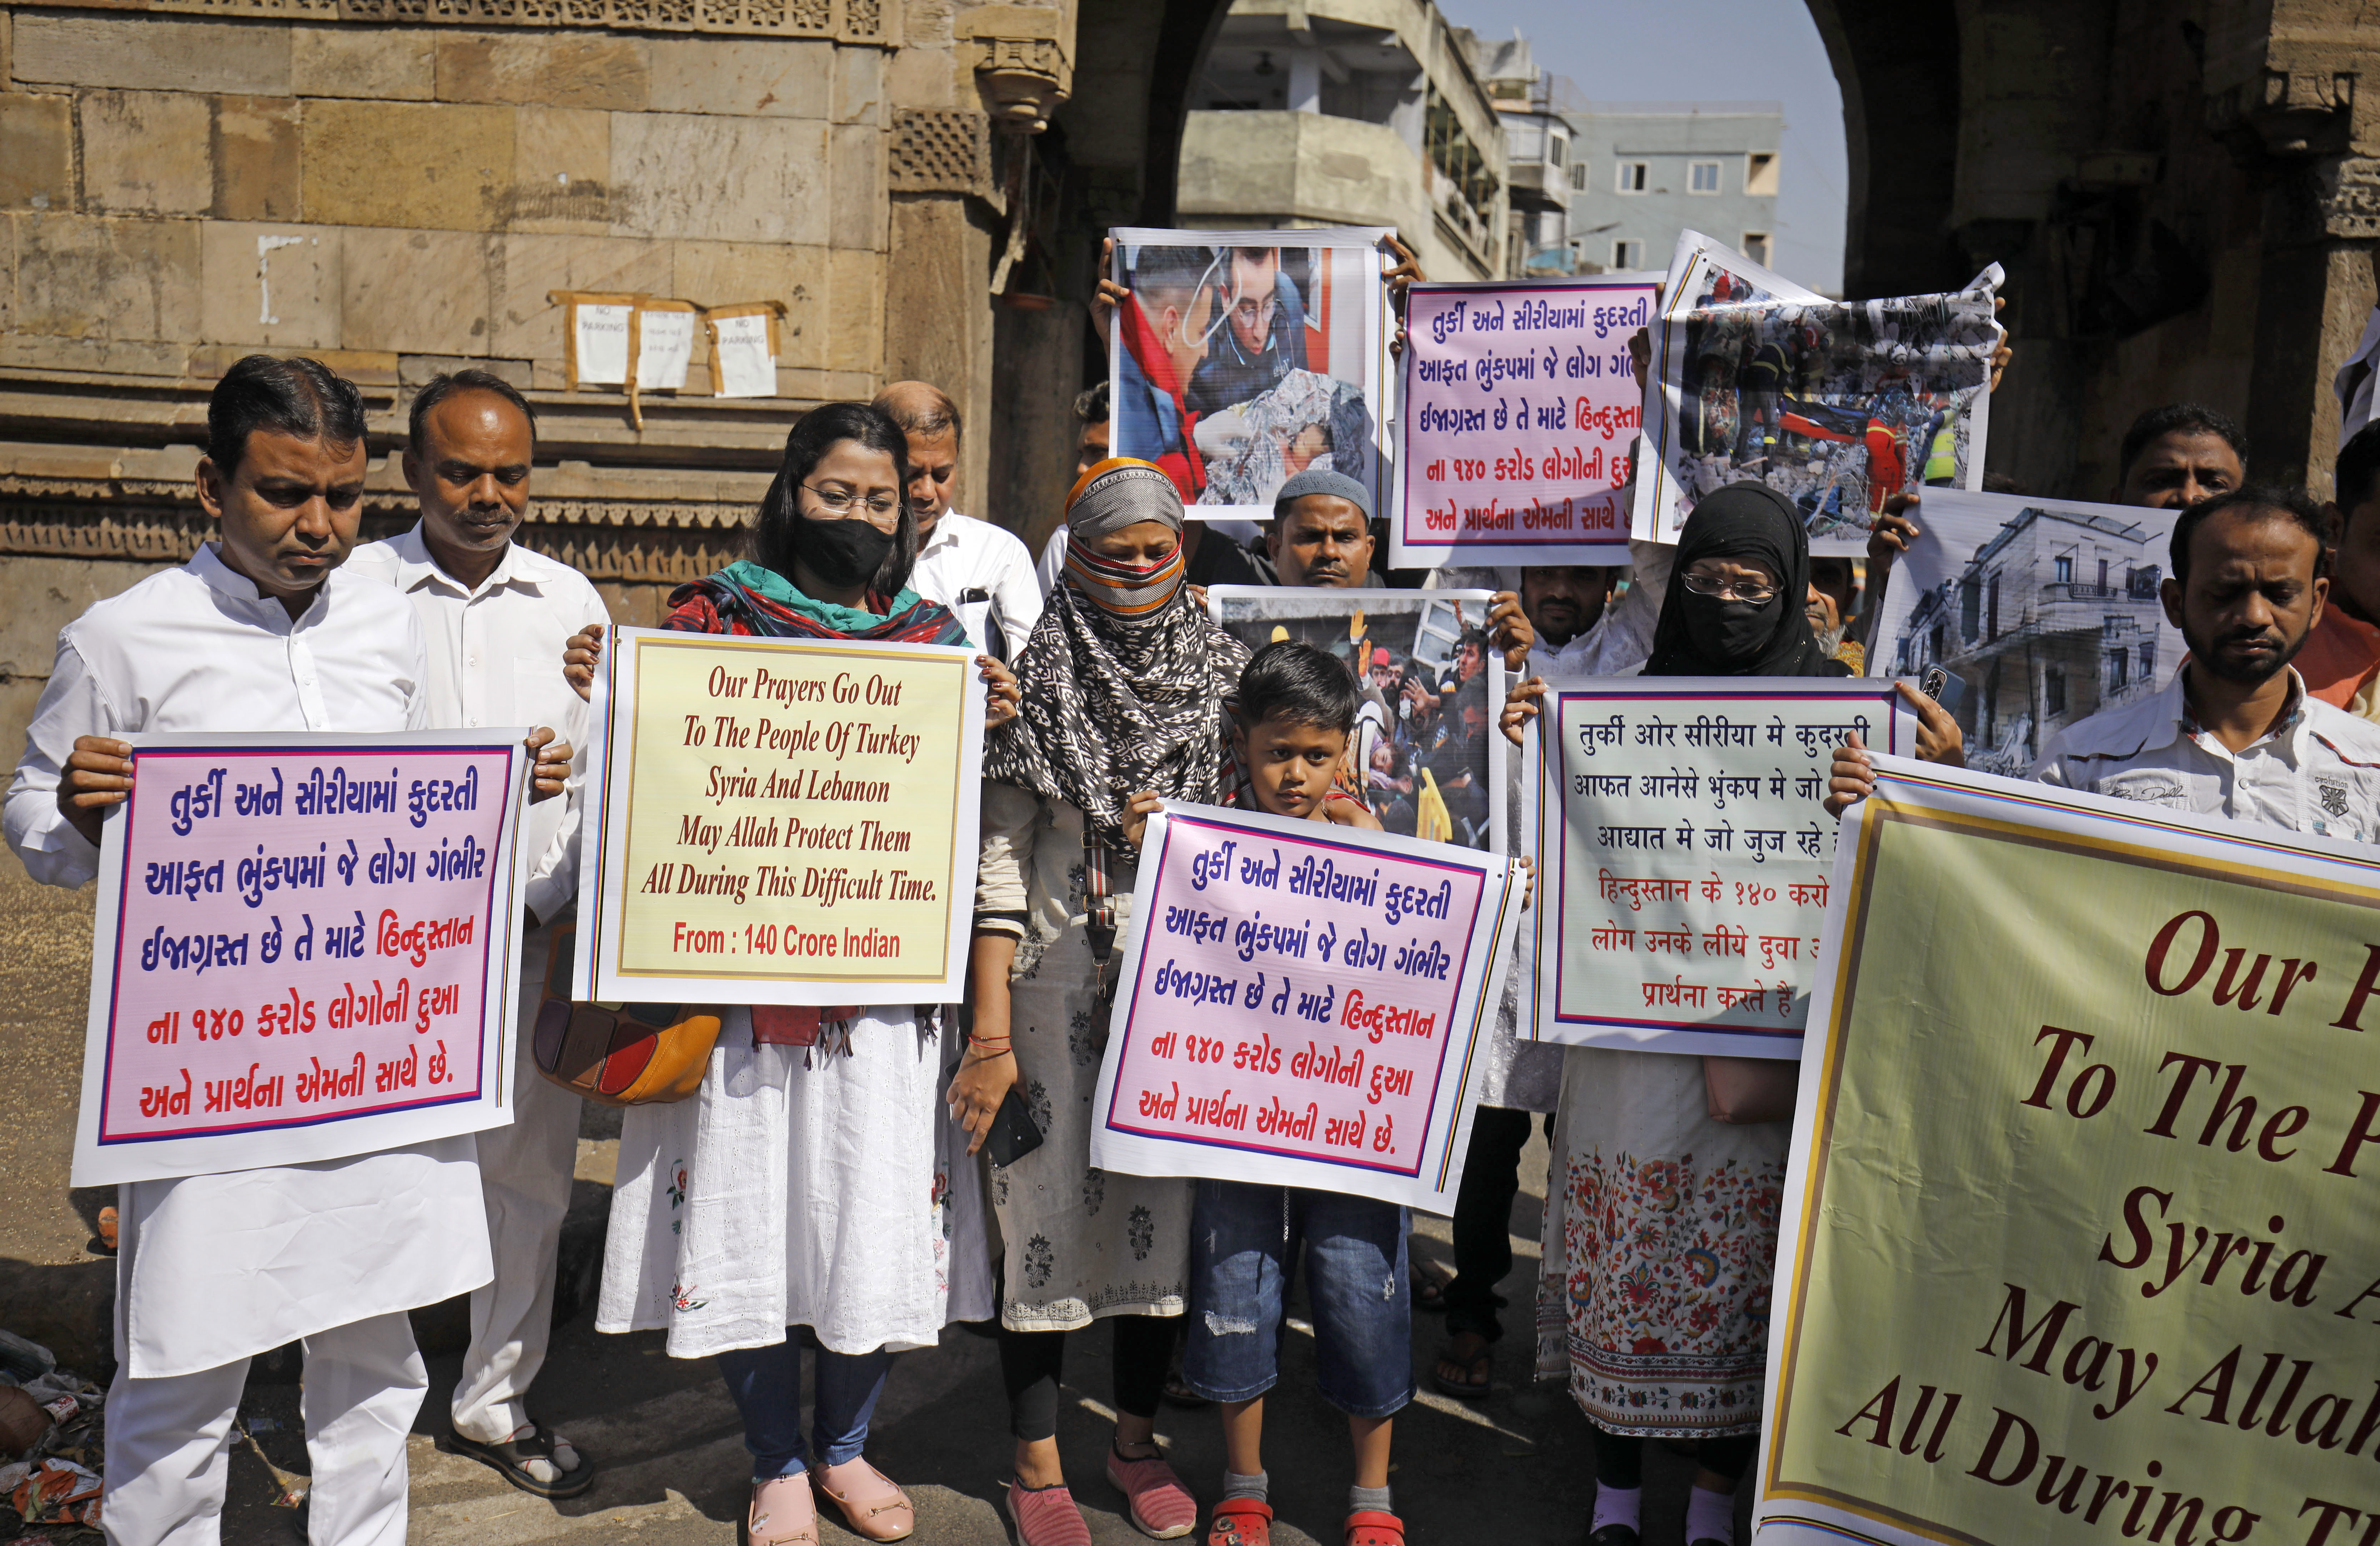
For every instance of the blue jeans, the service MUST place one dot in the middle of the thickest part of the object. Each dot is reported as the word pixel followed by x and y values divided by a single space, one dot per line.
pixel 1244 1243
pixel 766 1383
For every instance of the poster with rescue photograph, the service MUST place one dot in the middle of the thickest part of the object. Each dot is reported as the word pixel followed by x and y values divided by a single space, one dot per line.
pixel 2046 611
pixel 1838 406
pixel 1241 359
pixel 1431 684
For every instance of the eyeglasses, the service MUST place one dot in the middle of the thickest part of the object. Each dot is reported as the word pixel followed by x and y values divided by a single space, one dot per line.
pixel 1255 313
pixel 841 503
pixel 1730 591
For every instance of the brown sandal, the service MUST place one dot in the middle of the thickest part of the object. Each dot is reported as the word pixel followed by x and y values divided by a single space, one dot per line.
pixel 1478 1366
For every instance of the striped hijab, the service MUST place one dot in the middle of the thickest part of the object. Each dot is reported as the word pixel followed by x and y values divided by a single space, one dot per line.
pixel 1117 493
pixel 1123 679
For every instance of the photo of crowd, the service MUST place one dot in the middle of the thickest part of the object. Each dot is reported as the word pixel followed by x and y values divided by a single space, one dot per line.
pixel 1237 367
pixel 1837 406
pixel 1429 688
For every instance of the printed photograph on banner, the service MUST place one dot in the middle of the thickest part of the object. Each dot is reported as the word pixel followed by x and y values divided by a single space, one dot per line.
pixel 1244 357
pixel 1684 855
pixel 2046 611
pixel 1299 1003
pixel 304 950
pixel 2042 1263
pixel 1432 685
pixel 779 821
pixel 1518 419
pixel 1835 404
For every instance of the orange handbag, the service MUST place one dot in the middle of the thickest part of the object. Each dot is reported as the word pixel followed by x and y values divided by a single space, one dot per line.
pixel 618 1054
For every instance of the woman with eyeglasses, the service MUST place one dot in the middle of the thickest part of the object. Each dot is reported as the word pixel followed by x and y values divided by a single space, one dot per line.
pixel 803 1196
pixel 1661 1223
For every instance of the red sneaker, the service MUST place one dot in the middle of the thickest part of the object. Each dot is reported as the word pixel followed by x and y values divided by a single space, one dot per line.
pixel 1373 1527
pixel 1046 1517
pixel 1161 1506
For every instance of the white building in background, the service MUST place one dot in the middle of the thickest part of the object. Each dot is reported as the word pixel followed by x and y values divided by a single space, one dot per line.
pixel 1537 150
pixel 1597 186
pixel 1348 113
pixel 1640 173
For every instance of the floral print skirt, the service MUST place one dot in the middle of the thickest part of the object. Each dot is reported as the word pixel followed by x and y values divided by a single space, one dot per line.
pixel 1078 1243
pixel 1660 1246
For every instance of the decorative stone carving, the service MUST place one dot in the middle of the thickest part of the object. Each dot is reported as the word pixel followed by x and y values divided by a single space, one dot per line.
pixel 865 22
pixel 935 151
pixel 2294 113
pixel 2347 196
pixel 631 541
pixel 1023 80
pixel 1024 58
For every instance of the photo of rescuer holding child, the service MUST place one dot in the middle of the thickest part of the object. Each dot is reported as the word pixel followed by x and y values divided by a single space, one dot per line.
pixel 1237 367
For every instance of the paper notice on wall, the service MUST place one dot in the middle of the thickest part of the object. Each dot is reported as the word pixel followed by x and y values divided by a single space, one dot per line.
pixel 743 366
pixel 664 346
pixel 602 333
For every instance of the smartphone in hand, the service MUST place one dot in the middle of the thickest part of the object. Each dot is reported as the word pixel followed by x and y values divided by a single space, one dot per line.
pixel 1948 691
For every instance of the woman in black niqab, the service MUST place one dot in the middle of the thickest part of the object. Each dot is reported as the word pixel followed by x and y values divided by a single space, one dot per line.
pixel 1634 1141
pixel 1706 635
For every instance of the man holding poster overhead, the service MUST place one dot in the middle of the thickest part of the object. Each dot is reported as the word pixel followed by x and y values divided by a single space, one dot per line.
pixel 496 616
pixel 257 632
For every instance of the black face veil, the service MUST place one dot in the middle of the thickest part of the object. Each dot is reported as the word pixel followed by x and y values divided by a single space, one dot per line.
pixel 1703 636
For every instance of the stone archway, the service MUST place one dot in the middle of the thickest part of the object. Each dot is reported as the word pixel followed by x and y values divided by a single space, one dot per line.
pixel 2184 198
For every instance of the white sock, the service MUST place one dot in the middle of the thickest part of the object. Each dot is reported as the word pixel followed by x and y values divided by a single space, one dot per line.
pixel 1710 1516
pixel 1616 1505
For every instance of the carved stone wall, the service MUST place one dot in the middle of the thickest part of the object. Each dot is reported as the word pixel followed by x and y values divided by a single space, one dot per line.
pixel 2186 198
pixel 395 186
pixel 875 23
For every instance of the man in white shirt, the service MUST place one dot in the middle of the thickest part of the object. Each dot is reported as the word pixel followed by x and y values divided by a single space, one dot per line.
pixel 2236 733
pixel 971 566
pixel 496 617
pixel 1581 629
pixel 260 632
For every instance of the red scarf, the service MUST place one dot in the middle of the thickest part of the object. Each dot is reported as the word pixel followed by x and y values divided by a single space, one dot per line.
pixel 1147 350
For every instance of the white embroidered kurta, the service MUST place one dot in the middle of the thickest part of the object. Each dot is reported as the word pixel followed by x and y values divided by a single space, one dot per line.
pixel 215 1268
pixel 800 1187
pixel 1080 1243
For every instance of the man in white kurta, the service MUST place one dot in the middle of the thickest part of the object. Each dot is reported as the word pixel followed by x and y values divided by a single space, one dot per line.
pixel 496 617
pixel 260 632
pixel 978 570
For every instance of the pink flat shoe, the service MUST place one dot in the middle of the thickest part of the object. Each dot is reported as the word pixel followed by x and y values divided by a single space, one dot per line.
pixel 872 1508
pixel 783 1513
pixel 1046 1517
pixel 1161 1506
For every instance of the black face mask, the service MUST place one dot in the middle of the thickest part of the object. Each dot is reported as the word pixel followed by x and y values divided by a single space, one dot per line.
pixel 844 554
pixel 1731 631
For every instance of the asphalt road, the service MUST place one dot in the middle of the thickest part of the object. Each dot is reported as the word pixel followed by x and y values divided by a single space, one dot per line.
pixel 1516 1466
